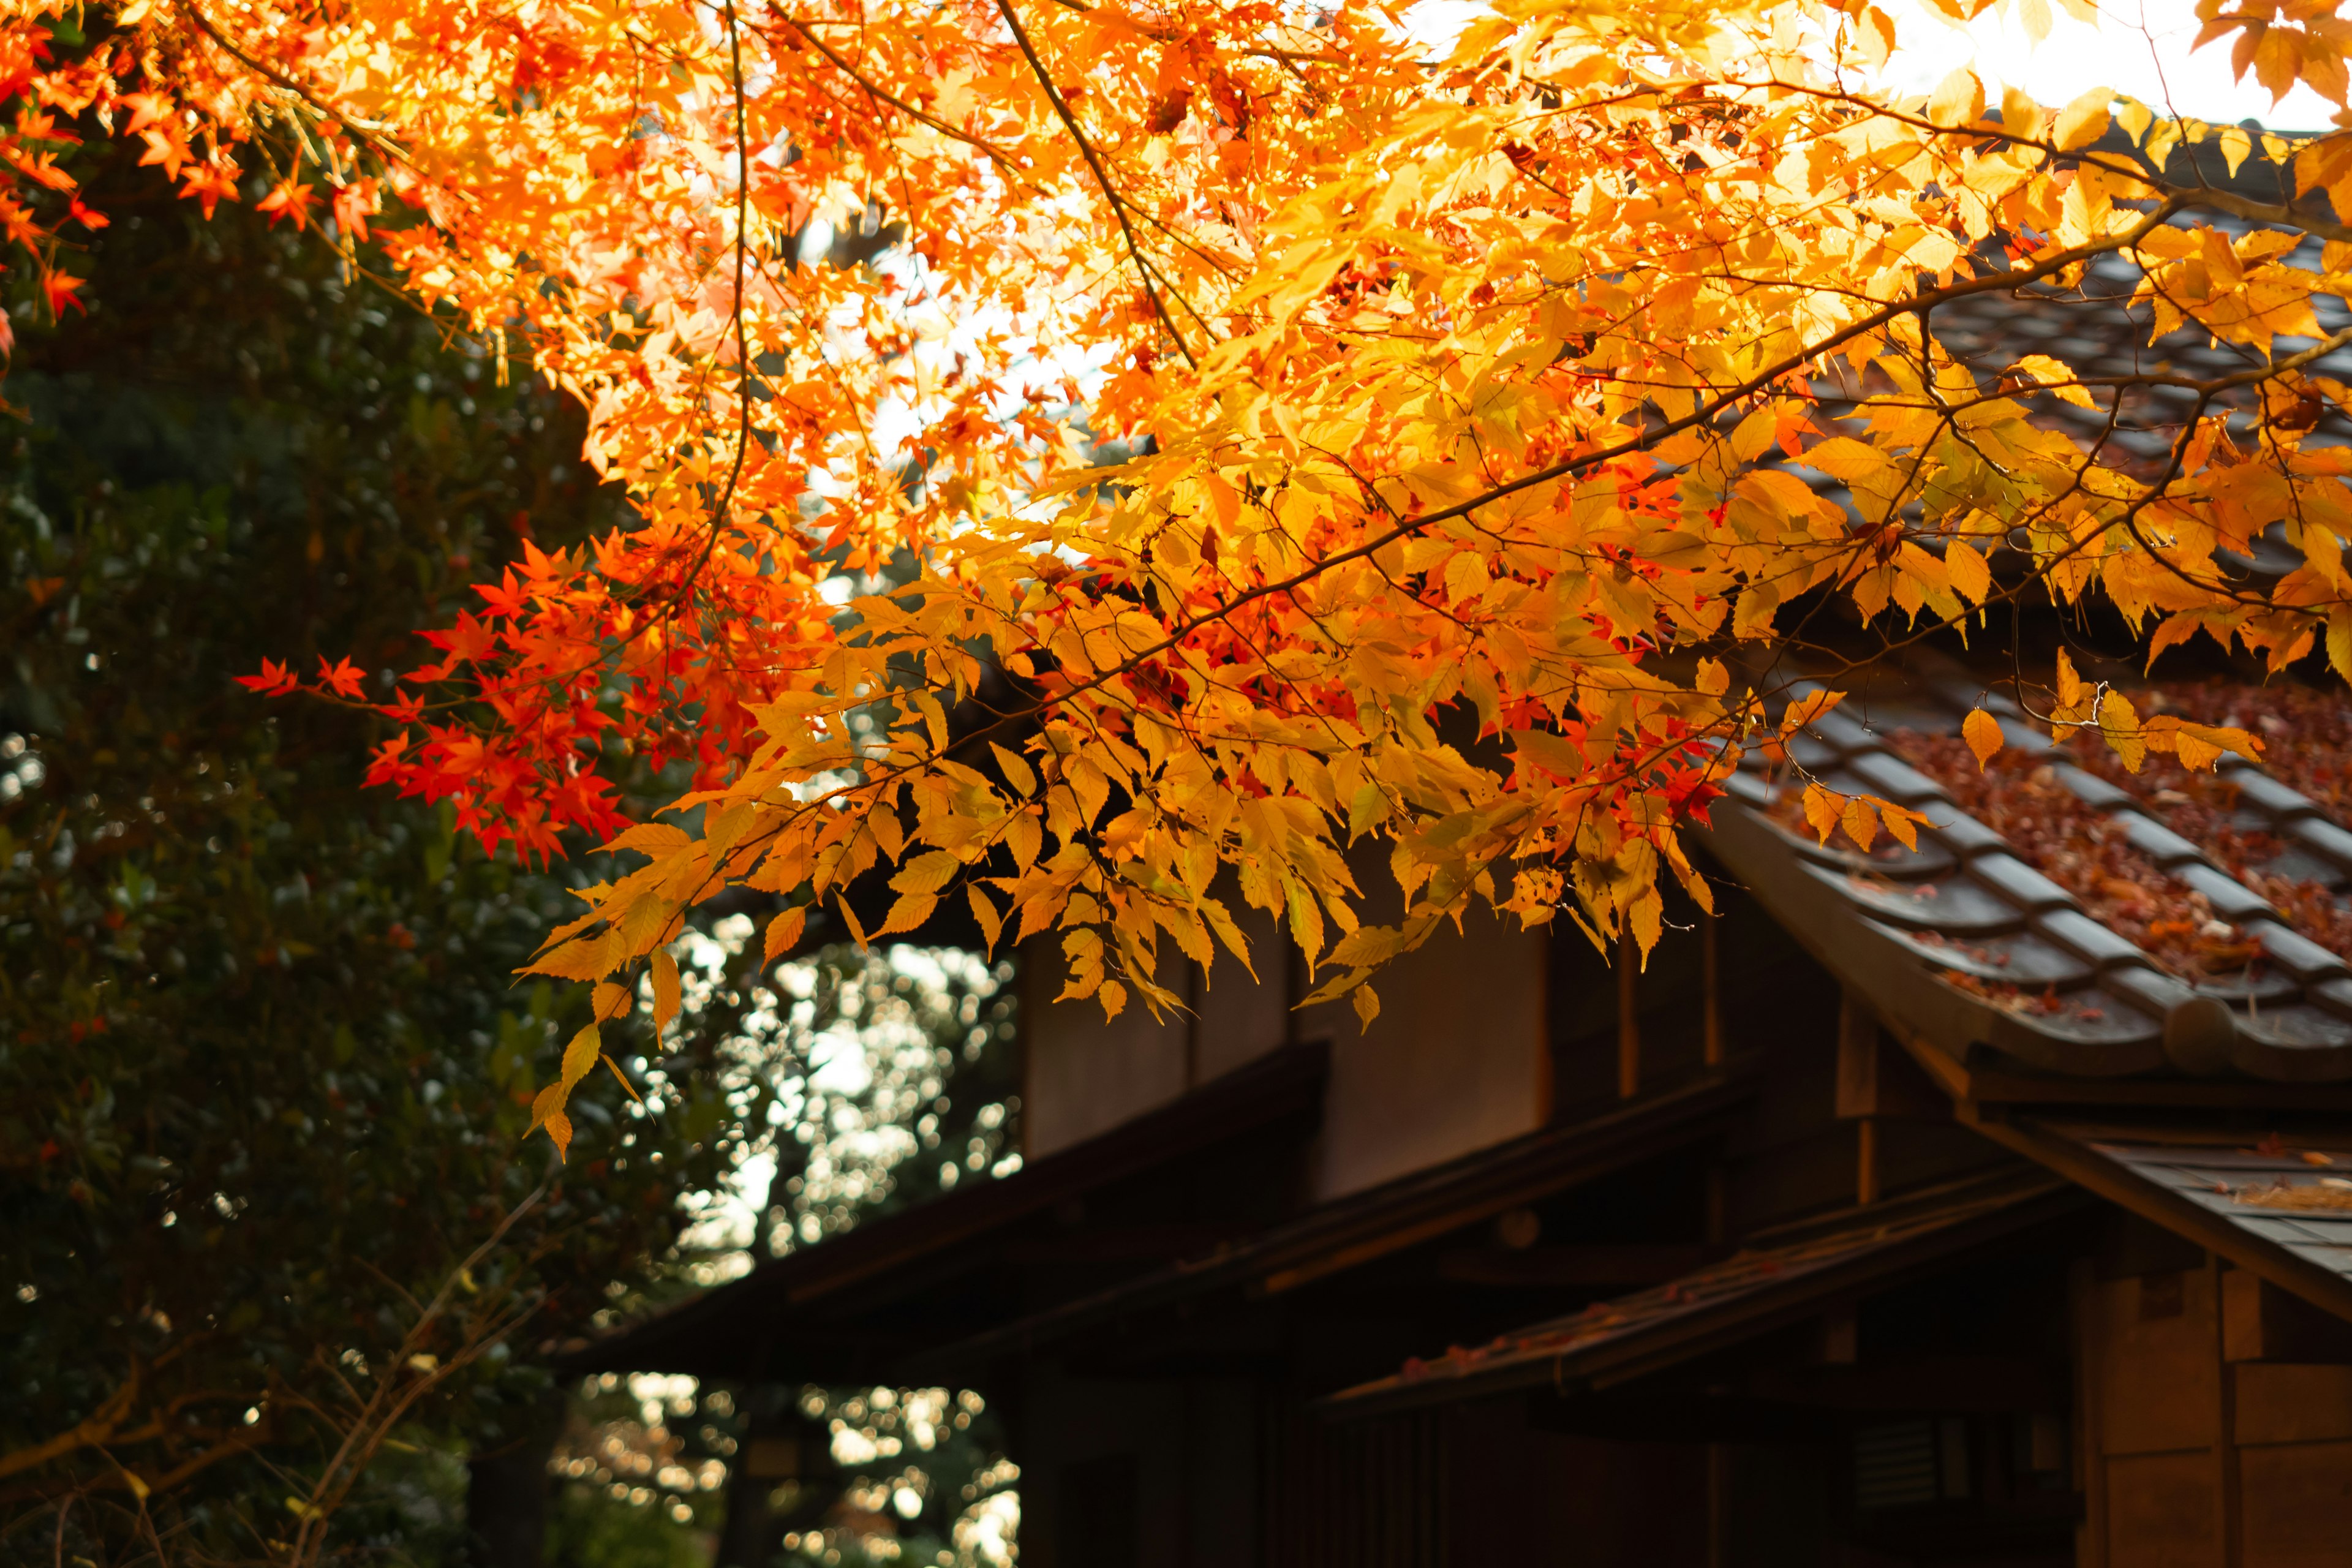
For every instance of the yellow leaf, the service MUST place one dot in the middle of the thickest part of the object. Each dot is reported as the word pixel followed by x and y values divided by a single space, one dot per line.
pixel 1023 837
pixel 2236 147
pixel 581 1055
pixel 1822 807
pixel 2339 641
pixel 1367 1002
pixel 666 989
pixel 582 958
pixel 1981 731
pixel 1803 709
pixel 2070 685
pixel 609 1001
pixel 926 873
pixel 1016 769
pixel 2134 117
pixel 784 932
pixel 654 839
pixel 1843 459
pixel 623 1080
pixel 1860 821
pixel 559 1130
pixel 984 910
pixel 1714 679
pixel 2119 723
pixel 1368 947
pixel 1959 99
pixel 1971 579
pixel 1904 822
pixel 2019 115
pixel 911 911
pixel 2085 120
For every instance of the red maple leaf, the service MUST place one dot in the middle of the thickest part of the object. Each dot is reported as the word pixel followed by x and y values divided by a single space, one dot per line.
pixel 287 199
pixel 343 678
pixel 60 288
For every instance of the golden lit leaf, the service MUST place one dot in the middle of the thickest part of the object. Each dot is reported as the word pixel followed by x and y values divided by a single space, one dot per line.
pixel 1860 820
pixel 926 873
pixel 2120 724
pixel 2083 121
pixel 1845 458
pixel 1822 808
pixel 910 910
pixel 1803 709
pixel 666 989
pixel 784 932
pixel 1981 731
pixel 1017 770
pixel 581 1055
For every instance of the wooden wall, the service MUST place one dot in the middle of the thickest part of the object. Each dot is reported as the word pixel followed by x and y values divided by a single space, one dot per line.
pixel 2203 1449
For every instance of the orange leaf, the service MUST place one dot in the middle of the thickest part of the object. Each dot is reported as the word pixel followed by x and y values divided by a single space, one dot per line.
pixel 1981 731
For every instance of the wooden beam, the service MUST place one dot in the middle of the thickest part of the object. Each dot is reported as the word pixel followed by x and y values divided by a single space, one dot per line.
pixel 2090 1434
pixel 2228 1504
pixel 1857 1056
pixel 1711 988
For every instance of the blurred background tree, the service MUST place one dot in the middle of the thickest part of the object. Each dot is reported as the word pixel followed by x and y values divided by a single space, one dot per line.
pixel 222 1263
pixel 216 1251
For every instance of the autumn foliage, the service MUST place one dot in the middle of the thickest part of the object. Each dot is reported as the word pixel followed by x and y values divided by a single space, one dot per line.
pixel 1483 415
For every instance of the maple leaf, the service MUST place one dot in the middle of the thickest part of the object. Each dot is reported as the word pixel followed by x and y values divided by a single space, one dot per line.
pixel 60 290
pixel 287 199
pixel 342 677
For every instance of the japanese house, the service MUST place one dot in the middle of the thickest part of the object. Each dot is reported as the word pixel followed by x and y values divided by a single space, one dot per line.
pixel 1984 1202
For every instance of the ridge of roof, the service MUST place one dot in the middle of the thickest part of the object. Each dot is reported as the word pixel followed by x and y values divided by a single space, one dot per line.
pixel 1751 1292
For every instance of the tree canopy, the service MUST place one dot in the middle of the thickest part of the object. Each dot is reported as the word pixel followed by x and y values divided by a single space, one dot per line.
pixel 1482 405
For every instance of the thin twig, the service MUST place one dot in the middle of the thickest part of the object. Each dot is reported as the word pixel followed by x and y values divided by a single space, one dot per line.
pixel 1102 177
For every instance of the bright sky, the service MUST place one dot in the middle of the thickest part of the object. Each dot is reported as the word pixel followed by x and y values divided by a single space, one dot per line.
pixel 2140 47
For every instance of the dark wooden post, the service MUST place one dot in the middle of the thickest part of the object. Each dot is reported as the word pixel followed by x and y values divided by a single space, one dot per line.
pixel 1629 1016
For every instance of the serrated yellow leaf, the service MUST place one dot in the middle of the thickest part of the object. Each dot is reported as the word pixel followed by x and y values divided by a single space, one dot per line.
pixel 1845 458
pixel 1017 770
pixel 2070 685
pixel 1959 99
pixel 2120 724
pixel 1981 731
pixel 666 989
pixel 984 910
pixel 1971 579
pixel 784 932
pixel 1824 806
pixel 2083 121
pixel 1860 821
pixel 926 873
pixel 910 910
pixel 1807 707
pixel 581 1055
pixel 2237 146
pixel 1367 1004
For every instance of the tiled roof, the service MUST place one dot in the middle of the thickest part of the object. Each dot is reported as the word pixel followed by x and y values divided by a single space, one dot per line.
pixel 1751 1292
pixel 1966 941
pixel 2279 1206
